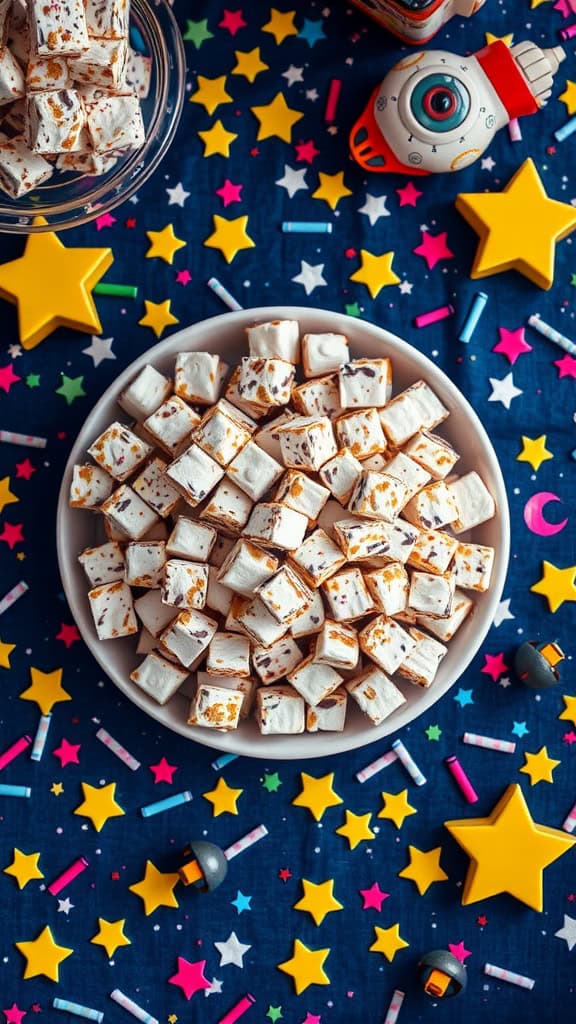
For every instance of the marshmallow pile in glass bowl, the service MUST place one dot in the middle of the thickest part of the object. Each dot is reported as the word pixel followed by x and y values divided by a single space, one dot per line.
pixel 283 532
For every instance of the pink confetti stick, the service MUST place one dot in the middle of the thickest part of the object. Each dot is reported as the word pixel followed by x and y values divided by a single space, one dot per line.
pixel 12 596
pixel 68 876
pixel 245 842
pixel 14 751
pixel 489 743
pixel 513 979
pixel 117 749
pixel 372 769
pixel 568 33
pixel 442 313
pixel 395 1007
pixel 464 784
pixel 332 99
pixel 26 440
pixel 569 823
pixel 239 1010
pixel 514 130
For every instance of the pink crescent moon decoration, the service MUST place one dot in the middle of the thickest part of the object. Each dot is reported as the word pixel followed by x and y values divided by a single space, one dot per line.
pixel 534 514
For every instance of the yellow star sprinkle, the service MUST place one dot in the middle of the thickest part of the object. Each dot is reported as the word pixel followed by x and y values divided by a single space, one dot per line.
pixel 229 236
pixel 5 652
pixel 317 794
pixel 57 788
pixel 46 689
pixel 568 97
pixel 423 868
pixel 281 25
pixel 223 798
pixel 534 451
pixel 356 828
pixel 211 92
pixel 306 967
pixel 6 496
pixel 539 767
pixel 24 867
pixel 158 316
pixel 111 935
pixel 331 188
pixel 164 244
pixel 396 807
pixel 556 585
pixel 99 804
pixel 217 140
pixel 388 941
pixel 43 956
pixel 276 119
pixel 156 889
pixel 318 900
pixel 249 64
pixel 569 713
pixel 508 39
pixel 375 271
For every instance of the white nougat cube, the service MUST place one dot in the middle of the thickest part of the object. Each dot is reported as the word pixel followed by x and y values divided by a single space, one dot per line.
pixel 90 487
pixel 389 587
pixel 246 567
pixel 376 695
pixel 314 681
pixel 347 595
pixel 216 707
pixel 415 409
pixel 55 121
pixel 413 476
pixel 386 643
pixel 253 409
pixel 220 434
pixel 112 610
pixel 317 558
pixel 254 471
pixel 145 563
pixel 473 500
pixel 12 83
pixel 265 381
pixel 275 525
pixel 153 613
pixel 280 711
pixel 318 397
pixel 360 540
pixel 188 636
pixel 277 339
pixel 103 564
pixel 337 645
pixel 402 537
pixel 431 594
pixel 433 551
pixel 190 539
pixel 218 597
pixel 324 353
pixel 228 508
pixel 228 655
pixel 107 20
pixel 446 629
pixel 118 451
pixel 155 488
pixel 185 583
pixel 145 394
pixel 284 595
pixel 433 507
pixel 128 513
pixel 197 377
pixel 139 73
pixel 472 566
pixel 244 685
pixel 194 474
pixel 341 474
pixel 261 626
pixel 47 75
pixel 435 454
pixel 58 29
pixel 115 122
pixel 378 496
pixel 329 715
pixel 274 662
pixel 307 442
pixel 21 170
pixel 365 383
pixel 171 424
pixel 298 491
pixel 423 661
pixel 268 437
pixel 103 64
pixel 158 678
pixel 361 432
pixel 311 619
pixel 232 623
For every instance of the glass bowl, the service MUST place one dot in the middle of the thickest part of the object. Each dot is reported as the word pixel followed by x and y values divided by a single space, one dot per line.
pixel 67 200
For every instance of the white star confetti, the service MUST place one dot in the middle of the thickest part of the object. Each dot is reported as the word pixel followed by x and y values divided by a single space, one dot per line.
pixel 568 932
pixel 177 196
pixel 232 951
pixel 99 350
pixel 504 390
pixel 374 208
pixel 310 277
pixel 293 75
pixel 293 181
pixel 503 613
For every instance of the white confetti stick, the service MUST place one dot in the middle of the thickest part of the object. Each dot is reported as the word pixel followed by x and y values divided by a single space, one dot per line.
pixel 40 737
pixel 504 975
pixel 408 762
pixel 223 294
pixel 569 823
pixel 552 334
pixel 248 840
pixel 117 749
pixel 132 1007
pixel 489 743
pixel 514 130
pixel 376 766
pixel 26 440
pixel 12 596
pixel 395 1007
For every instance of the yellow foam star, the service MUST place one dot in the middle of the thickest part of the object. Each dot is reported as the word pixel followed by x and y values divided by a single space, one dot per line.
pixel 356 828
pixel 569 713
pixel 536 3
pixel 24 867
pixel 43 956
pixel 331 188
pixel 375 271
pixel 534 451
pixel 6 496
pixel 110 934
pixel 158 316
pixel 539 766
pixel 164 244
pixel 423 868
pixel 5 652
pixel 276 119
pixel 280 25
pixel 229 236
pixel 556 585
pixel 249 64
pixel 306 966
pixel 52 286
pixel 217 140
pixel 568 97
pixel 46 689
pixel 156 889
pixel 99 804
pixel 396 807
pixel 223 798
pixel 388 941
pixel 57 788
pixel 211 92
pixel 509 240
pixel 318 900
pixel 508 851
pixel 507 39
pixel 317 794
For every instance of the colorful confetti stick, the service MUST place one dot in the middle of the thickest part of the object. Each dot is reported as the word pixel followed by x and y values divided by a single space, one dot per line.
pixel 14 751
pixel 488 743
pixel 40 737
pixel 568 129
pixel 503 975
pixel 395 1006
pixel 77 1009
pixel 470 324
pixel 459 775
pixel 117 749
pixel 23 791
pixel 551 334
pixel 245 842
pixel 119 291
pixel 408 762
pixel 569 823
pixel 68 876
pixel 26 440
pixel 222 761
pixel 166 805
pixel 239 1010
pixel 442 313
pixel 376 766
pixel 306 227
pixel 223 294
pixel 514 130
pixel 568 33
pixel 12 596
pixel 132 1007
pixel 332 100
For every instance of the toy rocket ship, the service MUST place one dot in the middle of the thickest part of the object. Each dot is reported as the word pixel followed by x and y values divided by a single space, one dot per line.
pixel 436 111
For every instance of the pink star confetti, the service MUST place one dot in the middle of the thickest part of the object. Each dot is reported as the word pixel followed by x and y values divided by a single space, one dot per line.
pixel 566 366
pixel 495 666
pixel 163 772
pixel 25 469
pixel 512 344
pixel 306 152
pixel 68 634
pixel 569 737
pixel 14 1015
pixel 434 248
pixel 373 897
pixel 12 534
pixel 67 753
pixel 105 221
pixel 459 951
pixel 284 874
pixel 183 277
pixel 311 1018
pixel 229 192
pixel 482 920
pixel 8 377
pixel 233 21
pixel 190 977
pixel 409 195
pixel 566 7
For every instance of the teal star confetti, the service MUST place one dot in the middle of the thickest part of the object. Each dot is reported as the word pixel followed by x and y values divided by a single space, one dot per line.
pixel 520 729
pixel 71 388
pixel 241 902
pixel 464 697
pixel 271 782
pixel 274 1013
pixel 433 732
pixel 197 32
pixel 311 31
pixel 33 380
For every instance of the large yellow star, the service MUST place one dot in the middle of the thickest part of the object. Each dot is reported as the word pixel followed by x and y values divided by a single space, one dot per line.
pixel 388 941
pixel 509 240
pixel 375 271
pixel 110 934
pixel 539 766
pixel 569 713
pixel 331 188
pixel 317 794
pixel 306 966
pixel 43 956
pixel 508 851
pixel 569 97
pixel 556 585
pixel 396 807
pixel 423 868
pixel 249 64
pixel 229 236
pixel 217 140
pixel 158 316
pixel 280 25
pixel 156 889
pixel 24 867
pixel 99 804
pixel 223 798
pixel 6 496
pixel 276 119
pixel 356 828
pixel 5 652
pixel 534 451
pixel 211 92
pixel 164 244
pixel 46 689
pixel 52 287
pixel 318 900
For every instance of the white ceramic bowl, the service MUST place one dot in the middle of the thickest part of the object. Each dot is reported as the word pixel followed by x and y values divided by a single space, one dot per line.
pixel 224 334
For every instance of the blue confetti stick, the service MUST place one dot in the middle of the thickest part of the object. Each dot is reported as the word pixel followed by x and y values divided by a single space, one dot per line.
pixel 470 324
pixel 77 1009
pixel 23 791
pixel 166 805
pixel 310 227
pixel 218 288
pixel 222 761
pixel 561 134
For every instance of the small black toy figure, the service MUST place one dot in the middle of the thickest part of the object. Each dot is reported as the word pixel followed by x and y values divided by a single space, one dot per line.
pixel 441 974
pixel 535 664
pixel 209 867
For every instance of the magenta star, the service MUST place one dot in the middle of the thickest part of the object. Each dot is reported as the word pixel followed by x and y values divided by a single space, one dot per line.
pixel 8 377
pixel 163 772
pixel 233 21
pixel 25 469
pixel 409 195
pixel 459 951
pixel 183 277
pixel 190 977
pixel 566 7
pixel 229 193
pixel 105 221
pixel 68 635
pixel 512 344
pixel 433 248
pixel 67 753
pixel 495 666
pixel 569 737
pixel 12 534
pixel 311 1018
pixel 14 1015
pixel 566 366
pixel 306 151
pixel 373 897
